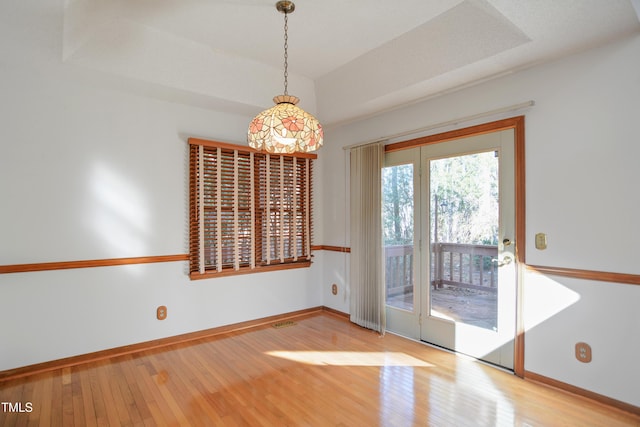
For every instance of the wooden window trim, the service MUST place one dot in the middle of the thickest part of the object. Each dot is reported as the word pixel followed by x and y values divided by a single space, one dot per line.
pixel 228 146
pixel 248 270
pixel 244 241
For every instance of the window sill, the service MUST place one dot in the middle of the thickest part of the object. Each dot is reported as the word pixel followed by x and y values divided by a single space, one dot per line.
pixel 248 270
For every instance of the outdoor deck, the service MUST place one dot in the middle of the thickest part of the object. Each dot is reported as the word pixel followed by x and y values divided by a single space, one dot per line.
pixel 463 282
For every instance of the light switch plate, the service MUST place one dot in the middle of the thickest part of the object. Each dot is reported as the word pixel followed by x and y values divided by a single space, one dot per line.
pixel 541 241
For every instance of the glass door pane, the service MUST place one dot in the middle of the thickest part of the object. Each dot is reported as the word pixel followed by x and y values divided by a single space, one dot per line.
pixel 464 218
pixel 397 224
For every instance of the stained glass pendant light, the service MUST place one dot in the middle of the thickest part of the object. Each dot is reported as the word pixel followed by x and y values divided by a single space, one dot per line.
pixel 285 127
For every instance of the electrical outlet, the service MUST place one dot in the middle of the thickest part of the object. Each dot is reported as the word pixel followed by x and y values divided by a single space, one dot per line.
pixel 161 312
pixel 334 289
pixel 583 352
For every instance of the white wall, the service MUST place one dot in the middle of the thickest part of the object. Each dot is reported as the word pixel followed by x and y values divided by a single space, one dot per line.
pixel 581 189
pixel 91 169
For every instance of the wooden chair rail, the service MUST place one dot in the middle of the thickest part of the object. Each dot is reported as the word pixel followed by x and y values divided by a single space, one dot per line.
pixel 63 265
pixel 600 276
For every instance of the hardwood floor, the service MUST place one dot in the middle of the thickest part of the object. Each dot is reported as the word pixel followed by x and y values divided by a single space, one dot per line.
pixel 320 371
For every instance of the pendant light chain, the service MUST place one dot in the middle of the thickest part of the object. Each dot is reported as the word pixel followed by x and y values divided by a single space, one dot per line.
pixel 286 54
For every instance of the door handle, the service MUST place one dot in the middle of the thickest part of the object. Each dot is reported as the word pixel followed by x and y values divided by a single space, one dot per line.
pixel 506 260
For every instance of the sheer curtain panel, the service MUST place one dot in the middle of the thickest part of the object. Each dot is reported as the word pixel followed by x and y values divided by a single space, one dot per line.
pixel 367 305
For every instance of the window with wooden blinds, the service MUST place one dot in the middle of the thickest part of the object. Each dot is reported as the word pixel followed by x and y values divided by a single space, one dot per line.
pixel 249 211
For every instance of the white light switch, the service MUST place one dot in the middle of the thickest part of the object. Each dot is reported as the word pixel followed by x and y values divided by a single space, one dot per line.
pixel 541 241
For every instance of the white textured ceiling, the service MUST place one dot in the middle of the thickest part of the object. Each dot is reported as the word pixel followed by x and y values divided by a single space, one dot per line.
pixel 347 58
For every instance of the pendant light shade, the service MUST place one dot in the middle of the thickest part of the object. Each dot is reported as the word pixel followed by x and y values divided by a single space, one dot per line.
pixel 285 127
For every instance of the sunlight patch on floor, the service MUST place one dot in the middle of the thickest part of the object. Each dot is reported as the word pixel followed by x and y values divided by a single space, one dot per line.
pixel 474 392
pixel 351 358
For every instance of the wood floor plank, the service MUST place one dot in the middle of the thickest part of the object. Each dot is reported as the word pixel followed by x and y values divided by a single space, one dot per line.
pixel 12 393
pixel 150 390
pixel 320 371
pixel 110 408
pixel 90 418
pixel 77 403
pixel 63 399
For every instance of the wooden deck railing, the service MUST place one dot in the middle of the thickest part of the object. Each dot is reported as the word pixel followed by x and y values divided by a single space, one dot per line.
pixel 398 269
pixel 452 264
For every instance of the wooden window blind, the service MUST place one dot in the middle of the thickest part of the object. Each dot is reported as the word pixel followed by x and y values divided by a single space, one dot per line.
pixel 249 211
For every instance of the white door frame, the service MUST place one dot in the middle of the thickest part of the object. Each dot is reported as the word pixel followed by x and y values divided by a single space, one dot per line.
pixel 495 346
pixel 518 125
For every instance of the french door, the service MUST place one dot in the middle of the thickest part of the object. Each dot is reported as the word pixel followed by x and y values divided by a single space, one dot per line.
pixel 401 234
pixel 449 224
